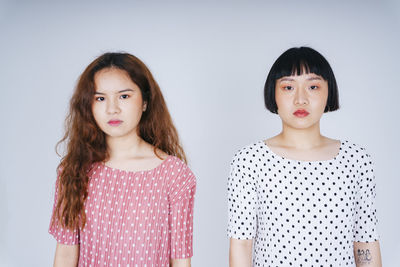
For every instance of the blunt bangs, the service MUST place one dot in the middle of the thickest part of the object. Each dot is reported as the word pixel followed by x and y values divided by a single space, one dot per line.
pixel 297 61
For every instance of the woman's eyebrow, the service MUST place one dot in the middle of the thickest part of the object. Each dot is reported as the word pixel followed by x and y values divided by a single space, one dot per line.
pixel 314 78
pixel 122 91
pixel 125 90
pixel 286 79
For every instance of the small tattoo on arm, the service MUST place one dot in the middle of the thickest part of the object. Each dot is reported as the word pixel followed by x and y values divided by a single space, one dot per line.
pixel 363 256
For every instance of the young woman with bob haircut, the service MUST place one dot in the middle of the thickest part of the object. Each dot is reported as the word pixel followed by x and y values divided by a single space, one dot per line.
pixel 300 198
pixel 124 195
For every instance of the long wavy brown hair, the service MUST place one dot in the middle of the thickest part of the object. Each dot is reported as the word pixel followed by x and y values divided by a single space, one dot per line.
pixel 86 142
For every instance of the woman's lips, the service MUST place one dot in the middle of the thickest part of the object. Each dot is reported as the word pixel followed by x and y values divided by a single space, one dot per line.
pixel 114 122
pixel 301 113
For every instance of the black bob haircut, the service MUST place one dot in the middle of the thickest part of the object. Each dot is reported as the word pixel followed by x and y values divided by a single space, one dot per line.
pixel 297 61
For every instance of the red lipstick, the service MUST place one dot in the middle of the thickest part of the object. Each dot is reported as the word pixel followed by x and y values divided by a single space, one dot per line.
pixel 114 122
pixel 301 113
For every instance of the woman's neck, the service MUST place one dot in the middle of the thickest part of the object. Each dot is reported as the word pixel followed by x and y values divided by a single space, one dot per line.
pixel 125 147
pixel 300 138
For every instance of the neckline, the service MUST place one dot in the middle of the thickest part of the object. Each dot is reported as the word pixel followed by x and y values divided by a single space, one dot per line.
pixel 305 161
pixel 138 171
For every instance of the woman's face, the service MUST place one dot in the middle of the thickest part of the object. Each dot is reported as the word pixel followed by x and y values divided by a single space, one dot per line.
pixel 118 105
pixel 301 99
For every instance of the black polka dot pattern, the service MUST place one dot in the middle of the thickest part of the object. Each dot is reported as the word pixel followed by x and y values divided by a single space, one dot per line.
pixel 302 213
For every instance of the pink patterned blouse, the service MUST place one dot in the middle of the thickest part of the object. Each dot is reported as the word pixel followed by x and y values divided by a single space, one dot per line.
pixel 140 218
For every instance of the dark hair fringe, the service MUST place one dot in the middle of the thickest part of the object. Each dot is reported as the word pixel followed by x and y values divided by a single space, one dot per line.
pixel 298 61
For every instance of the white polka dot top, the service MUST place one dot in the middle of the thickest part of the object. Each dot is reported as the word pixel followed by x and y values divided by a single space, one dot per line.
pixel 302 213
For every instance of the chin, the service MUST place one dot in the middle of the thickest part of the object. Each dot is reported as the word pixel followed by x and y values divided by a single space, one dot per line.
pixel 114 133
pixel 301 125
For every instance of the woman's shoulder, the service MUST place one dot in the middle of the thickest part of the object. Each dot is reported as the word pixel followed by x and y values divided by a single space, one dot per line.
pixel 246 153
pixel 355 153
pixel 172 159
pixel 179 175
pixel 352 148
pixel 177 164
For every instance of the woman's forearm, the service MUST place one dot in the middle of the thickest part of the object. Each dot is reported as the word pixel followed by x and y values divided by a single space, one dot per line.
pixel 180 262
pixel 66 256
pixel 367 254
pixel 240 253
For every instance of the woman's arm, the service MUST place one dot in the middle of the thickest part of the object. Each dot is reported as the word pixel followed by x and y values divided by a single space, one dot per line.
pixel 367 254
pixel 180 262
pixel 240 253
pixel 66 255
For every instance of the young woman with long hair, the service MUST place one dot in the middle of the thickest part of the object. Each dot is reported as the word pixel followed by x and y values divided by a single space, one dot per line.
pixel 124 195
pixel 300 198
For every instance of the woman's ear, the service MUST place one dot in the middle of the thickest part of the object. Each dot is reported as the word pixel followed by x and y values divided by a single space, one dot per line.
pixel 144 106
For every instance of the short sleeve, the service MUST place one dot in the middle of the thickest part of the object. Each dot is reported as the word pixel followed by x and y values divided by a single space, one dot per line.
pixel 242 199
pixel 365 221
pixel 62 235
pixel 182 194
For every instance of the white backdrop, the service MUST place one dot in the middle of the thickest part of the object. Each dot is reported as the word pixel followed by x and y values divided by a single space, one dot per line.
pixel 211 61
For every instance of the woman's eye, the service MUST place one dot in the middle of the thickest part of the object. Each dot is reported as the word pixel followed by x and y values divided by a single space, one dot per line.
pixel 288 87
pixel 313 87
pixel 100 98
pixel 124 96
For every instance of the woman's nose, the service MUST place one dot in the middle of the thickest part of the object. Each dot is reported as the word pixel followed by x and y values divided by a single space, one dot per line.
pixel 113 107
pixel 301 97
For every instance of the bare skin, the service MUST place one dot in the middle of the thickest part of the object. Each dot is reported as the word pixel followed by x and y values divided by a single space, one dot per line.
pixel 180 262
pixel 133 155
pixel 367 254
pixel 66 256
pixel 323 148
pixel 240 253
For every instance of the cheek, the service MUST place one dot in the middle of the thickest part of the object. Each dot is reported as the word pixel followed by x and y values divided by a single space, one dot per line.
pixel 322 100
pixel 324 93
pixel 138 101
pixel 281 102
pixel 134 108
pixel 278 99
pixel 284 111
pixel 96 112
